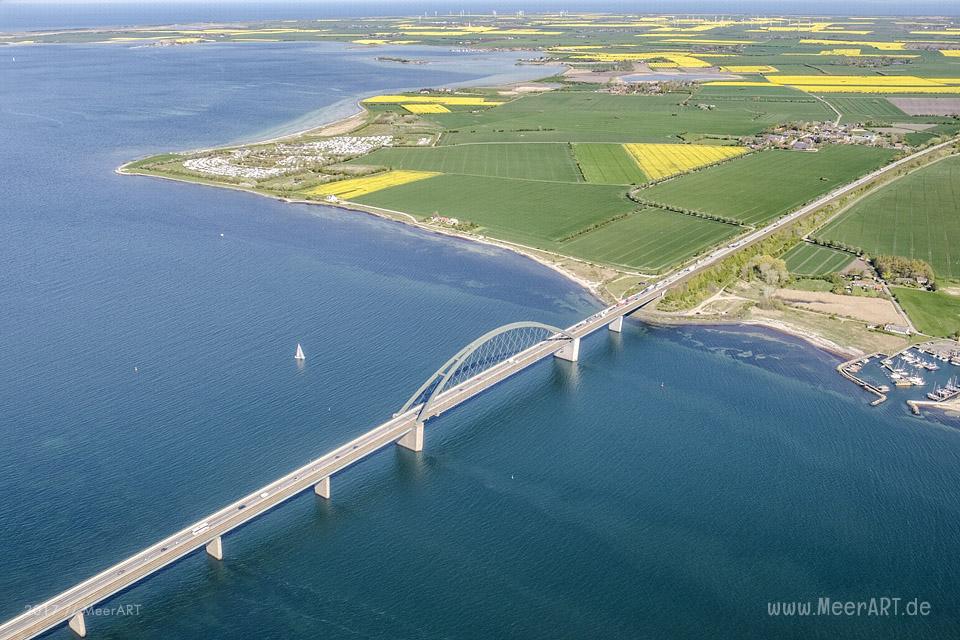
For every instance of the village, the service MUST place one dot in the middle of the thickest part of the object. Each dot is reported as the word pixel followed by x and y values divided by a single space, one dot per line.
pixel 809 136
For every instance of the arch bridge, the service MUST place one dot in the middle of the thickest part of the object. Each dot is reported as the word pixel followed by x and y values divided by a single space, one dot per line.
pixel 486 361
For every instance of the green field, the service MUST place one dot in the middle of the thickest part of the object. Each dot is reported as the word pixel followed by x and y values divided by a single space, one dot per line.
pixel 584 116
pixel 649 240
pixel 861 108
pixel 762 186
pixel 932 312
pixel 808 259
pixel 607 164
pixel 539 214
pixel 527 161
pixel 917 216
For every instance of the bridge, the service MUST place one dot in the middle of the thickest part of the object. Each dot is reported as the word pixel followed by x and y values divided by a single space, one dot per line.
pixel 482 364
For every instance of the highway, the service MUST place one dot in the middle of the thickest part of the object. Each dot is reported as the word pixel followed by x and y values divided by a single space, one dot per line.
pixel 64 606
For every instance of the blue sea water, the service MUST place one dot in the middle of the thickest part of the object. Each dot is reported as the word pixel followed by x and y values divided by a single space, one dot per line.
pixel 670 484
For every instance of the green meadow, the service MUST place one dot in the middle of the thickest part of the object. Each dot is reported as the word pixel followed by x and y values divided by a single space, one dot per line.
pixel 807 259
pixel 916 216
pixel 607 164
pixel 540 214
pixel 552 161
pixel 932 312
pixel 649 239
pixel 759 187
pixel 586 116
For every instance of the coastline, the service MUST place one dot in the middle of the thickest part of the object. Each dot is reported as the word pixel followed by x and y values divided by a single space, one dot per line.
pixel 592 287
pixel 819 342
pixel 346 124
pixel 343 126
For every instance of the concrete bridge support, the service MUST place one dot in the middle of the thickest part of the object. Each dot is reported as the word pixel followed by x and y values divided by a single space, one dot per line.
pixel 570 351
pixel 215 548
pixel 616 325
pixel 322 488
pixel 413 439
pixel 78 625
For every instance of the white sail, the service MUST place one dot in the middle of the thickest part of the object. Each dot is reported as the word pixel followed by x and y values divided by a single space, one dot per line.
pixel 300 355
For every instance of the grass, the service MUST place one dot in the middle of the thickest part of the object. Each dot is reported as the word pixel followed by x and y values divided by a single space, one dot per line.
pixel 813 260
pixel 526 161
pixel 607 164
pixel 582 116
pixel 811 284
pixel 932 312
pixel 763 186
pixel 540 214
pixel 916 216
pixel 860 108
pixel 649 240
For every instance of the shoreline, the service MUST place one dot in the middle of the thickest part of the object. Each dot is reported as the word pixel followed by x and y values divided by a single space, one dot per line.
pixel 818 342
pixel 344 125
pixel 399 217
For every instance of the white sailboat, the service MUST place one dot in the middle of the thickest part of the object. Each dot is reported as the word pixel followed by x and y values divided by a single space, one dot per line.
pixel 299 355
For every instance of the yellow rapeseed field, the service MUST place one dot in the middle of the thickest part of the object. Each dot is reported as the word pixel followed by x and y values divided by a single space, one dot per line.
pixel 356 187
pixel 425 108
pixel 883 46
pixel 879 90
pixel 677 58
pixel 663 160
pixel 855 84
pixel 860 81
pixel 448 100
pixel 951 53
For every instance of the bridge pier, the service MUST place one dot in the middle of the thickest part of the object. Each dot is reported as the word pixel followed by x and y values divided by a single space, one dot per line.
pixel 215 548
pixel 413 439
pixel 570 351
pixel 78 624
pixel 322 488
pixel 616 325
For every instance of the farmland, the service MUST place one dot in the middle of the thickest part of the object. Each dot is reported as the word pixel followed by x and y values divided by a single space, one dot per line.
pixel 686 114
pixel 535 213
pixel 607 164
pixel 812 260
pixel 932 312
pixel 356 187
pixel 664 160
pixel 527 161
pixel 649 239
pixel 768 184
pixel 585 116
pixel 917 216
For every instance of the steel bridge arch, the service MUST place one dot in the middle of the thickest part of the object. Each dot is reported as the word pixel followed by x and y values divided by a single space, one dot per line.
pixel 460 362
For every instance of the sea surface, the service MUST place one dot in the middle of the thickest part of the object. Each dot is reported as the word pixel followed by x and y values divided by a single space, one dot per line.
pixel 671 484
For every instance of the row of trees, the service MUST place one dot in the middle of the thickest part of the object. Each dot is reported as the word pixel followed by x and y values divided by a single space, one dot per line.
pixel 688 212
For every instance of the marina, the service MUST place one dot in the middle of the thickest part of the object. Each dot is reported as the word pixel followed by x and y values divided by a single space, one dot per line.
pixel 925 368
